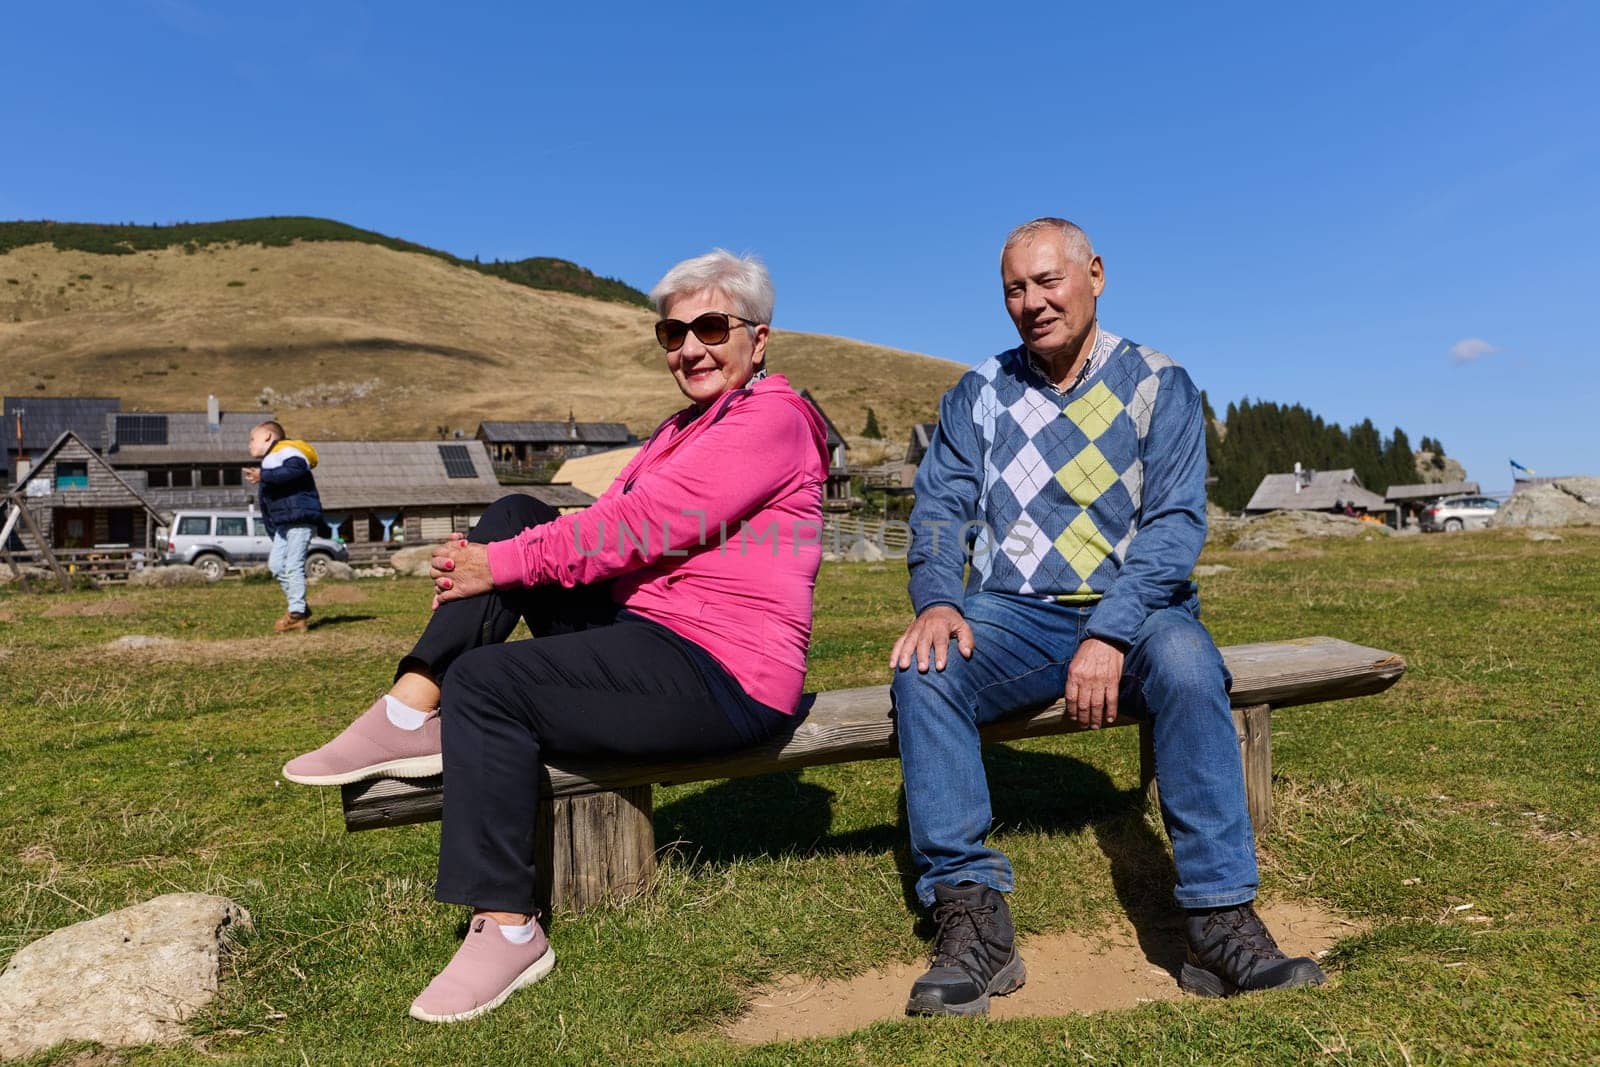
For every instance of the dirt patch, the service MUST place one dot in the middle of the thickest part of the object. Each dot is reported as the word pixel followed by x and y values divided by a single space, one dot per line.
pixel 337 594
pixel 92 609
pixel 1067 973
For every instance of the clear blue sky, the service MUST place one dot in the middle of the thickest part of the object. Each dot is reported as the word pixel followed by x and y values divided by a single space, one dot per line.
pixel 1384 210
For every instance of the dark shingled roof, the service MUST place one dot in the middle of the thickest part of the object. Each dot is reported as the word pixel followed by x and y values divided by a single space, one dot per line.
pixel 921 438
pixel 357 475
pixel 189 439
pixel 556 494
pixel 46 418
pixel 136 489
pixel 551 433
pixel 369 474
pixel 1326 490
pixel 834 436
pixel 1429 490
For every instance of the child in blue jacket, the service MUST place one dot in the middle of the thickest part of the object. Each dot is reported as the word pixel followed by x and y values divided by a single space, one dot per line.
pixel 291 509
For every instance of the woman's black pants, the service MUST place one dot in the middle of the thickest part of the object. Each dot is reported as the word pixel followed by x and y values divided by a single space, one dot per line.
pixel 591 683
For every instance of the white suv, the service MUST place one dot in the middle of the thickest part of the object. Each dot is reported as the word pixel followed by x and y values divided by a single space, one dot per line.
pixel 211 541
pixel 1456 513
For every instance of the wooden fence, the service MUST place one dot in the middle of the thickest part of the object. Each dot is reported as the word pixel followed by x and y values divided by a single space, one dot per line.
pixel 113 566
pixel 107 566
pixel 840 532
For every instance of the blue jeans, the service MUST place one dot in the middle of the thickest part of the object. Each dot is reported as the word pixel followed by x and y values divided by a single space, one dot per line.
pixel 288 563
pixel 1173 674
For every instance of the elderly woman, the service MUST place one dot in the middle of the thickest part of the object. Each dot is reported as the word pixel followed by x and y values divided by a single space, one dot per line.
pixel 670 618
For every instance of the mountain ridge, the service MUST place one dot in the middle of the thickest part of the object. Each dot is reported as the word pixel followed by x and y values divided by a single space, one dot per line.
pixel 352 339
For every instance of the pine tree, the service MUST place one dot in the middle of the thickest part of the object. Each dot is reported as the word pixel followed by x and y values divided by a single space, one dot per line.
pixel 1264 438
pixel 1400 462
pixel 1213 439
pixel 871 432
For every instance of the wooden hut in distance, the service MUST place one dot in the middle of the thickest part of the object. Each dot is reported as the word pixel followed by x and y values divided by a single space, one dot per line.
pixel 837 494
pixel 517 445
pixel 78 500
pixel 916 448
pixel 1411 500
pixel 33 423
pixel 1306 490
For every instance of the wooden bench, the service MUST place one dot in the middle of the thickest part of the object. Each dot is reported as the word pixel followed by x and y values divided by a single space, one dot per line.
pixel 596 839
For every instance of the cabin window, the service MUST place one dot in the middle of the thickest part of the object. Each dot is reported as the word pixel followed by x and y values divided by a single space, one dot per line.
pixel 72 476
pixel 182 477
pixel 232 476
pixel 156 478
pixel 210 476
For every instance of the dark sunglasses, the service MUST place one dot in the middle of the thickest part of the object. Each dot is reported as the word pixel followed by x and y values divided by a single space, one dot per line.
pixel 712 328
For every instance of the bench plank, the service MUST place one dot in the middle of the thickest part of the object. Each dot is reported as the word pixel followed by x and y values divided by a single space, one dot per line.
pixel 847 725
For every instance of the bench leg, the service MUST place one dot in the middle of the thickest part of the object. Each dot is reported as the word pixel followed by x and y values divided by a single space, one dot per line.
pixel 1255 751
pixel 594 847
pixel 1147 766
pixel 1254 726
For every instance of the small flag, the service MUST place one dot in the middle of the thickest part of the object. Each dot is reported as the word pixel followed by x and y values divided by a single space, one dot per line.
pixel 1519 467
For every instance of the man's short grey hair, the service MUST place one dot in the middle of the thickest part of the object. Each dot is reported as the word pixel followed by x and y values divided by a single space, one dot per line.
pixel 743 279
pixel 1072 236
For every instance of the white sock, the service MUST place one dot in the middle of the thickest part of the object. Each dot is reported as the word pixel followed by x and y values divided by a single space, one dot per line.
pixel 404 715
pixel 518 935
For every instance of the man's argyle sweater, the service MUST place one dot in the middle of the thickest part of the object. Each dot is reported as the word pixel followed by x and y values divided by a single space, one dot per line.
pixel 1095 496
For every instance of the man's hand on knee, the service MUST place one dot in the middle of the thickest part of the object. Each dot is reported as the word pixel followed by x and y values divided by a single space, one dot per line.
pixel 927 640
pixel 1093 677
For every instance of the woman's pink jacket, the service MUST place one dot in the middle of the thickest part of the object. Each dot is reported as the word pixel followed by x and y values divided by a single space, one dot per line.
pixel 714 530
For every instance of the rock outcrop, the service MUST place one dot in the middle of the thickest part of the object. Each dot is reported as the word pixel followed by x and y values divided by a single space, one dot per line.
pixel 1565 502
pixel 179 574
pixel 412 560
pixel 336 572
pixel 1279 529
pixel 131 977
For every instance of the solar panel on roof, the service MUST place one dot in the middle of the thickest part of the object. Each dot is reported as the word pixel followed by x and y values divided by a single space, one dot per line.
pixel 457 461
pixel 141 429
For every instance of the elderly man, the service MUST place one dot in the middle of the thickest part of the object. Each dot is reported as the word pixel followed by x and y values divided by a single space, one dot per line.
pixel 1070 473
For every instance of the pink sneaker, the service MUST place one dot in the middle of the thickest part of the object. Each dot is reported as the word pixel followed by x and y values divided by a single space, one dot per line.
pixel 371 747
pixel 485 971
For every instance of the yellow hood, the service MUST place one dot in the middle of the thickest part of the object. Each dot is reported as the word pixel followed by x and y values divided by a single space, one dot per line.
pixel 302 447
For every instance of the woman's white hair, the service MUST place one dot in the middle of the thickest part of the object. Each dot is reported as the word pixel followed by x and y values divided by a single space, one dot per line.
pixel 742 279
pixel 1070 234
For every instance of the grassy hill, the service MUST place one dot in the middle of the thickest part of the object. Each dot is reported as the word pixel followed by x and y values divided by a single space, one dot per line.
pixel 349 334
pixel 110 239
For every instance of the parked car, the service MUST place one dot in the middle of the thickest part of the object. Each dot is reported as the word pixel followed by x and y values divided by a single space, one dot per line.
pixel 1455 513
pixel 213 540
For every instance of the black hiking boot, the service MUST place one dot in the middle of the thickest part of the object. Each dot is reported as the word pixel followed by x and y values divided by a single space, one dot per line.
pixel 974 953
pixel 1230 951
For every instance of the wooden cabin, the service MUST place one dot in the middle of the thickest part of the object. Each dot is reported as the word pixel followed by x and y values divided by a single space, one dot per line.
pixel 527 444
pixel 1307 490
pixel 78 500
pixel 837 494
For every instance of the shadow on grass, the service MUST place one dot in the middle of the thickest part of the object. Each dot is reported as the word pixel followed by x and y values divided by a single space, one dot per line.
pixel 776 815
pixel 322 622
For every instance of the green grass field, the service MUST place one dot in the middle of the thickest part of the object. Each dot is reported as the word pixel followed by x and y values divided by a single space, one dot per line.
pixel 1475 781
